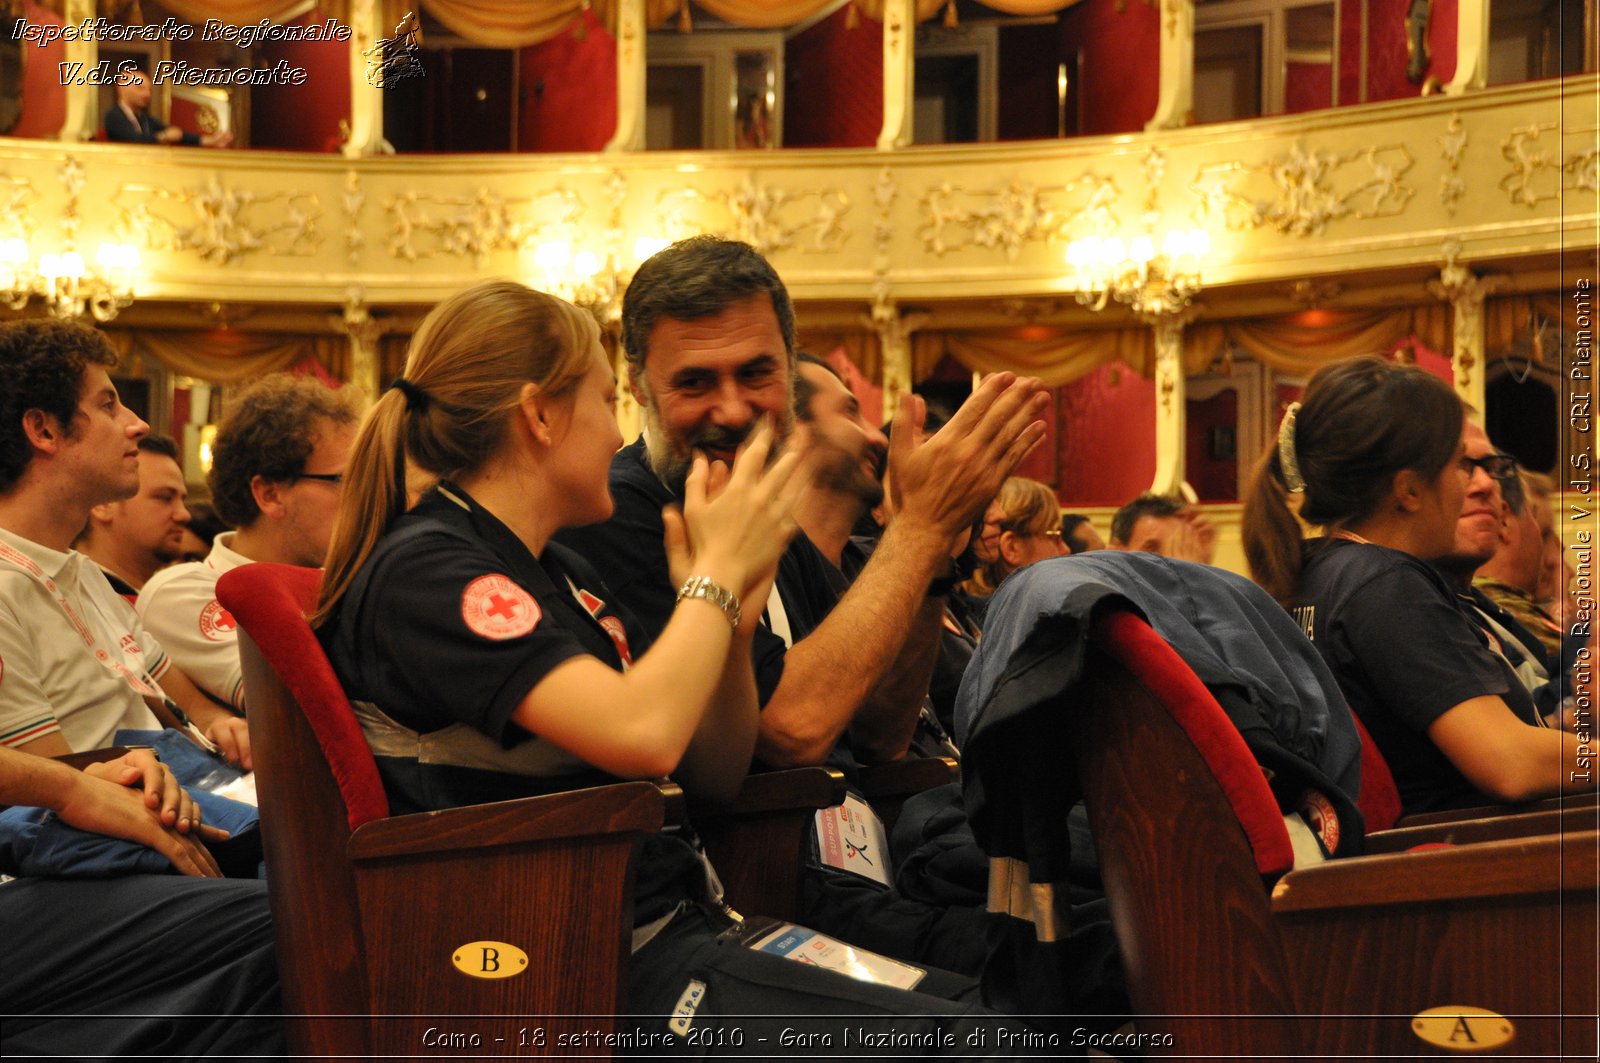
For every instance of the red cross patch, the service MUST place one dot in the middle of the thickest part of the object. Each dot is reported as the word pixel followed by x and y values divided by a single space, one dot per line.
pixel 496 608
pixel 216 623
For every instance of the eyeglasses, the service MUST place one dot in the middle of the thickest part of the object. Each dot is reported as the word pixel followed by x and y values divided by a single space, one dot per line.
pixel 1498 466
pixel 335 478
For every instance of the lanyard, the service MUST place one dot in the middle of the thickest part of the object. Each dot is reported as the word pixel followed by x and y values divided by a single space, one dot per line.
pixel 142 683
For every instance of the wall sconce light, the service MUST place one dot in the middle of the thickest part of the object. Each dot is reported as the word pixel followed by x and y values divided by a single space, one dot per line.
pixel 1151 281
pixel 582 277
pixel 66 284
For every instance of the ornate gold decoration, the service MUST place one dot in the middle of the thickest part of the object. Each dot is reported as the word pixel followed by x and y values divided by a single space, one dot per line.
pixel 1015 215
pixel 1529 160
pixel 1302 190
pixel 355 198
pixel 427 226
pixel 224 223
pixel 761 216
pixel 1031 310
pixel 1532 165
pixel 1465 291
pixel 1313 293
pixel 1154 165
pixel 18 199
pixel 1451 147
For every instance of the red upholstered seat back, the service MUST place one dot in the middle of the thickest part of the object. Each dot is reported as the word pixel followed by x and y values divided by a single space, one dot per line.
pixel 1380 797
pixel 270 602
pixel 1132 643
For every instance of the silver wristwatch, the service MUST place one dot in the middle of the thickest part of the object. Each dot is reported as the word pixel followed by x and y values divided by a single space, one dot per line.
pixel 715 593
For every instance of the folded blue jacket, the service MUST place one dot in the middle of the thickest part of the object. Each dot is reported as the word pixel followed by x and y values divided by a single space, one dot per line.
pixel 35 843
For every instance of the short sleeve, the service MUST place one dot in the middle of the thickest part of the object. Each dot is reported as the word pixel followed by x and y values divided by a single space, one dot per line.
pixel 448 636
pixel 184 616
pixel 26 713
pixel 1417 651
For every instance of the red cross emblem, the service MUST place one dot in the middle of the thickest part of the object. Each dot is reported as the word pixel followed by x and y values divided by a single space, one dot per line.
pixel 497 608
pixel 216 623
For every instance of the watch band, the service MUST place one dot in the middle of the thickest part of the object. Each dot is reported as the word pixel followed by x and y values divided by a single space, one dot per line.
pixel 710 590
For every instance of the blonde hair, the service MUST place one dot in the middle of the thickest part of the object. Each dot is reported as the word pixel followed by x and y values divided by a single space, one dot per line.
pixel 449 412
pixel 1029 508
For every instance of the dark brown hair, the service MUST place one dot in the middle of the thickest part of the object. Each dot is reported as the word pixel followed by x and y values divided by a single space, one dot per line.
pixel 1361 421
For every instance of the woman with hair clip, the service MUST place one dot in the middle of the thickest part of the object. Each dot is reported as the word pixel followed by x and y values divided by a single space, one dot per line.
pixel 486 662
pixel 1374 455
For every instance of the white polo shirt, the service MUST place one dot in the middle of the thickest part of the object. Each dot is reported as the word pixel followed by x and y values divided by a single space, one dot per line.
pixel 74 658
pixel 179 607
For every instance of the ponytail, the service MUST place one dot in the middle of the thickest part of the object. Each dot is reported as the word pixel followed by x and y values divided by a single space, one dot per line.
pixel 1271 532
pixel 449 413
pixel 374 494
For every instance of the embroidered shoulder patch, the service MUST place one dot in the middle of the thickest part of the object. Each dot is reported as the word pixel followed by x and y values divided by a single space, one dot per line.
pixel 216 623
pixel 1320 816
pixel 496 608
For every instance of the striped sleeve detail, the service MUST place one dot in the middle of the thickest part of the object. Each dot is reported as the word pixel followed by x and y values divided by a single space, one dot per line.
pixel 20 736
pixel 158 666
pixel 238 695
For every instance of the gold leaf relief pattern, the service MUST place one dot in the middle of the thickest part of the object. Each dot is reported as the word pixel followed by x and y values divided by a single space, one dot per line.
pixel 222 224
pixel 767 217
pixel 428 226
pixel 1011 217
pixel 1302 191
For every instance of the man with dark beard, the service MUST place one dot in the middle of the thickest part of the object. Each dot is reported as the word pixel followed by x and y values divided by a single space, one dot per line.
pixel 708 330
pixel 847 454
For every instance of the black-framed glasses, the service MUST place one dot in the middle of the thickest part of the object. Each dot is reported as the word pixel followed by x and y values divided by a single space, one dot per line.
pixel 1498 466
pixel 335 478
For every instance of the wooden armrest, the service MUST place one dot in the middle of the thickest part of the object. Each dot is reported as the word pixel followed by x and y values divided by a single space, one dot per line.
pixel 766 792
pixel 1546 863
pixel 760 840
pixel 1492 828
pixel 1454 815
pixel 618 808
pixel 902 778
pixel 92 756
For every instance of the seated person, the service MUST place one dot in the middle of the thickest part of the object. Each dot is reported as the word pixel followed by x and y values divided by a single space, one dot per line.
pixel 1375 453
pixel 129 120
pixel 1492 511
pixel 464 634
pixel 1161 524
pixel 276 468
pixel 133 538
pixel 1029 527
pixel 79 665
pixel 199 976
pixel 1077 531
pixel 708 330
pixel 201 532
pixel 1528 549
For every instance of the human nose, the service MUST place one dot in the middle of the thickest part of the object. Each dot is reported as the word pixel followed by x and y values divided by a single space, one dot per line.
pixel 137 428
pixel 181 514
pixel 730 409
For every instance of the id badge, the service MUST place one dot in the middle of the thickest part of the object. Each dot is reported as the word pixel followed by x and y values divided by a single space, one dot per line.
pixel 850 837
pixel 801 945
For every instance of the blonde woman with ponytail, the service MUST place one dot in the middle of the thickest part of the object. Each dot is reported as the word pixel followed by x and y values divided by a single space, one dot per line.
pixel 486 662
pixel 1373 457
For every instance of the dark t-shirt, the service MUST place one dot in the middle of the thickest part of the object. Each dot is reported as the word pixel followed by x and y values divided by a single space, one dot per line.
pixel 1403 651
pixel 445 629
pixel 628 550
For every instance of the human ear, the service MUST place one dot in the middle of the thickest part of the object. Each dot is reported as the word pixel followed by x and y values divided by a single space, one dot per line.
pixel 1407 490
pixel 268 496
pixel 1011 548
pixel 535 409
pixel 44 432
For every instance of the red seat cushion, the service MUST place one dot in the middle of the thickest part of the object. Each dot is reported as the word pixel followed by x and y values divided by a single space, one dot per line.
pixel 271 602
pixel 1134 644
